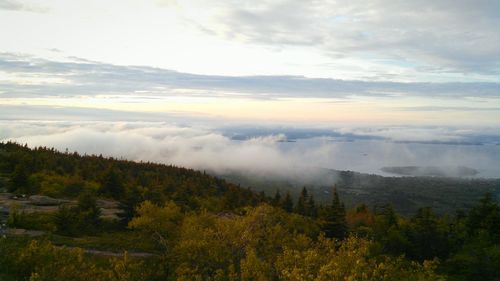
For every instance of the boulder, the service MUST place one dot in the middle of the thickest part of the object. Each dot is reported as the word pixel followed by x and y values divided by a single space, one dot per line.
pixel 41 200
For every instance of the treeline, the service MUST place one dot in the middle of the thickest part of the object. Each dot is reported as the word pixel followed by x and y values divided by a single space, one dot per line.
pixel 197 227
pixel 68 175
pixel 405 194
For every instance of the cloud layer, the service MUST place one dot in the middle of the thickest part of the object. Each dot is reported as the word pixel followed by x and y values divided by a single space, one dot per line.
pixel 28 76
pixel 432 36
pixel 273 152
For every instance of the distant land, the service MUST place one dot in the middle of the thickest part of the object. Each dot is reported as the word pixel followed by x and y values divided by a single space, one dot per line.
pixel 431 171
pixel 406 193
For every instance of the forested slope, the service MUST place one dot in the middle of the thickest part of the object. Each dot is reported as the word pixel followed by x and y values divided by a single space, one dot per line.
pixel 178 224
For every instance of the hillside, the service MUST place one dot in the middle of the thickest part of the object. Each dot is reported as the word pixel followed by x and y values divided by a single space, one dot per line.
pixel 405 194
pixel 67 175
pixel 74 217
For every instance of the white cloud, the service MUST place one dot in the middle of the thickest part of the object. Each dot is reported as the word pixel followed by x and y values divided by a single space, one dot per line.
pixel 445 40
pixel 303 161
pixel 16 5
pixel 431 36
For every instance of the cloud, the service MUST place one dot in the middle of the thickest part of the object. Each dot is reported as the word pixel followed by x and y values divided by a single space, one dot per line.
pixel 14 5
pixel 34 77
pixel 434 36
pixel 449 108
pixel 303 161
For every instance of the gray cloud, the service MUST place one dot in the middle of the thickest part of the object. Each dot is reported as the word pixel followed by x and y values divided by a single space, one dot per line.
pixel 458 36
pixel 83 78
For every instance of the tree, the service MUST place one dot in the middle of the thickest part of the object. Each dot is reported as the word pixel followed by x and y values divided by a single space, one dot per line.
pixel 287 203
pixel 277 198
pixel 485 217
pixel 427 239
pixel 360 220
pixel 350 259
pixel 335 224
pixel 88 213
pixel 65 221
pixel 129 204
pixel 81 219
pixel 301 207
pixel 20 178
pixel 159 223
pixel 112 185
pixel 312 211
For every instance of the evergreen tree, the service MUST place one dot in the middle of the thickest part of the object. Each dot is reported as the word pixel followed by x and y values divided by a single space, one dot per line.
pixel 312 211
pixel 485 217
pixel 301 207
pixel 335 224
pixel 277 198
pixel 20 178
pixel 427 239
pixel 129 204
pixel 386 217
pixel 287 203
pixel 88 213
pixel 112 184
pixel 65 221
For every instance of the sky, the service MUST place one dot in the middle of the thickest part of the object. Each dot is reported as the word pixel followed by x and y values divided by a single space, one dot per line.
pixel 395 71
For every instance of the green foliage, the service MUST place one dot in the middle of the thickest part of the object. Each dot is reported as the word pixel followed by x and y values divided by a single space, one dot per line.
pixel 479 259
pixel 301 207
pixel 160 223
pixel 36 221
pixel 46 171
pixel 211 245
pixel 335 224
pixel 20 180
pixel 129 203
pixel 197 227
pixel 349 260
pixel 81 219
pixel 287 203
pixel 428 239
pixel 41 260
pixel 66 186
pixel 485 218
pixel 112 185
pixel 65 221
pixel 306 205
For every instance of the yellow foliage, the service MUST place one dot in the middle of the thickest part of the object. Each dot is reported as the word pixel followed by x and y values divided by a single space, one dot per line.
pixel 159 222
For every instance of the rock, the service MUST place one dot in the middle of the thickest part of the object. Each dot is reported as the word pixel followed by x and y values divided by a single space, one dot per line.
pixel 41 200
pixel 24 232
pixel 107 204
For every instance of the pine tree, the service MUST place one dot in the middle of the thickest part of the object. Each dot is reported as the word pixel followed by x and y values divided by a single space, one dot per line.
pixel 312 211
pixel 485 217
pixel 335 224
pixel 129 203
pixel 112 184
pixel 277 198
pixel 88 213
pixel 20 178
pixel 287 203
pixel 301 207
pixel 65 221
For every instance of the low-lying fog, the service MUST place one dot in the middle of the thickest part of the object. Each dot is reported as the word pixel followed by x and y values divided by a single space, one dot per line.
pixel 288 152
